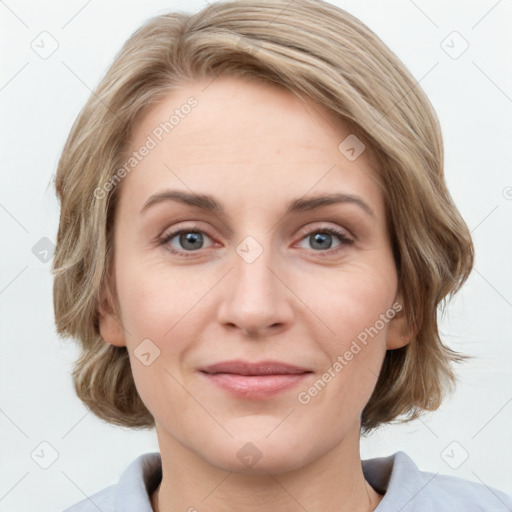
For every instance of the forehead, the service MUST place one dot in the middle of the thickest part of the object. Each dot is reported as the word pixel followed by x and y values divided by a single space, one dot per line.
pixel 249 138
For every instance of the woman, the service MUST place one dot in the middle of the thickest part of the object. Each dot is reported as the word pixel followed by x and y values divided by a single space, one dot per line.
pixel 292 148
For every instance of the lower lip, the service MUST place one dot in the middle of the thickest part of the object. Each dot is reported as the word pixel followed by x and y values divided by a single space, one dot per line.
pixel 255 386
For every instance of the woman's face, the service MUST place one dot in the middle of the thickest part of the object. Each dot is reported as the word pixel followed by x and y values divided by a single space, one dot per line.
pixel 268 274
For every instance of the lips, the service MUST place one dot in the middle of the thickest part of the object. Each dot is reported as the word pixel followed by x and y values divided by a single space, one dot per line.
pixel 254 381
pixel 248 368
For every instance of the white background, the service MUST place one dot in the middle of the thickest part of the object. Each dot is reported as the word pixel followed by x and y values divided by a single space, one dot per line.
pixel 40 99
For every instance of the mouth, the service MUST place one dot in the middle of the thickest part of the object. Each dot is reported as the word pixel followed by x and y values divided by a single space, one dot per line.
pixel 249 368
pixel 255 380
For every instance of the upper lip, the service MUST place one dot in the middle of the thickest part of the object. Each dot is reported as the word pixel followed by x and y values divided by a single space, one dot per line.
pixel 241 367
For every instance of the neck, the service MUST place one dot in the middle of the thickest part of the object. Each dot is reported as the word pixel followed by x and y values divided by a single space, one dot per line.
pixel 336 478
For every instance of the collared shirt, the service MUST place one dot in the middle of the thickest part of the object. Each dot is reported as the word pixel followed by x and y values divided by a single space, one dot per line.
pixel 404 486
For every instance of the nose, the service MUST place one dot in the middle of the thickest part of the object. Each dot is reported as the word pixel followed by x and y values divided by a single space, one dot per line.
pixel 255 299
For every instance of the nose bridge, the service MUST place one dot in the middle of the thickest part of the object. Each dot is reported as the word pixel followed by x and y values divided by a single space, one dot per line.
pixel 252 274
pixel 255 298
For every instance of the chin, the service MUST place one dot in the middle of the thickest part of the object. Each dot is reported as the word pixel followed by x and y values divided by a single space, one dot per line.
pixel 260 455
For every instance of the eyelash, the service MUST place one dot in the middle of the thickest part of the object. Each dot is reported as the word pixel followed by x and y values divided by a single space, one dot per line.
pixel 344 240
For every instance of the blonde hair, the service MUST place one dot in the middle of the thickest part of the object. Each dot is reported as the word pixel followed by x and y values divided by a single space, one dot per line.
pixel 320 53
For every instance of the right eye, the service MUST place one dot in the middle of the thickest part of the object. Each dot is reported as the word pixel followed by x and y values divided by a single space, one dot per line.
pixel 188 240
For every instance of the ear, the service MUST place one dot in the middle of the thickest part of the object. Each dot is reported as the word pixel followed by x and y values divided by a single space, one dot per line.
pixel 110 325
pixel 399 332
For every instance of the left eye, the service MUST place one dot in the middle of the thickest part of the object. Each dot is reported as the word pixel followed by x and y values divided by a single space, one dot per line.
pixel 322 239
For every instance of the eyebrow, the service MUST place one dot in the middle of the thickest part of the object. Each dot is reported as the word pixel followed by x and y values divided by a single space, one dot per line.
pixel 209 203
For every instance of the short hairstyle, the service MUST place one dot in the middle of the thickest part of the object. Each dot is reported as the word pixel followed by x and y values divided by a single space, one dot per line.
pixel 327 57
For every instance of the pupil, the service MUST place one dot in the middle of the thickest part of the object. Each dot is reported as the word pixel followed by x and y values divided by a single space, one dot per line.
pixel 192 239
pixel 321 239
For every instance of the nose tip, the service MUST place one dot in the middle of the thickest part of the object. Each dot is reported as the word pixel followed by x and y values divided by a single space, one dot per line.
pixel 253 331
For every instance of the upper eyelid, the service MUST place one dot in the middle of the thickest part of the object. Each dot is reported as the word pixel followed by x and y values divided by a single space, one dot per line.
pixel 196 227
pixel 308 231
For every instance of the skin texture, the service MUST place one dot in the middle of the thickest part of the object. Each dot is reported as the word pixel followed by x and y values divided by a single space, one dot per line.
pixel 255 147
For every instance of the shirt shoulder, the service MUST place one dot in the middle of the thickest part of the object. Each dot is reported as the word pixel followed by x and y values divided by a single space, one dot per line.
pixel 103 500
pixel 132 492
pixel 459 492
pixel 408 489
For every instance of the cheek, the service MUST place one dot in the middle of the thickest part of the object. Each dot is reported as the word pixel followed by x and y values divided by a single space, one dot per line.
pixel 352 299
pixel 162 314
pixel 354 306
pixel 156 298
pixel 353 303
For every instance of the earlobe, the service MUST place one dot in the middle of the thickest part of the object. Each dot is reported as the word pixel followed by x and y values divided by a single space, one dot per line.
pixel 401 342
pixel 399 332
pixel 111 330
pixel 110 326
pixel 397 338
